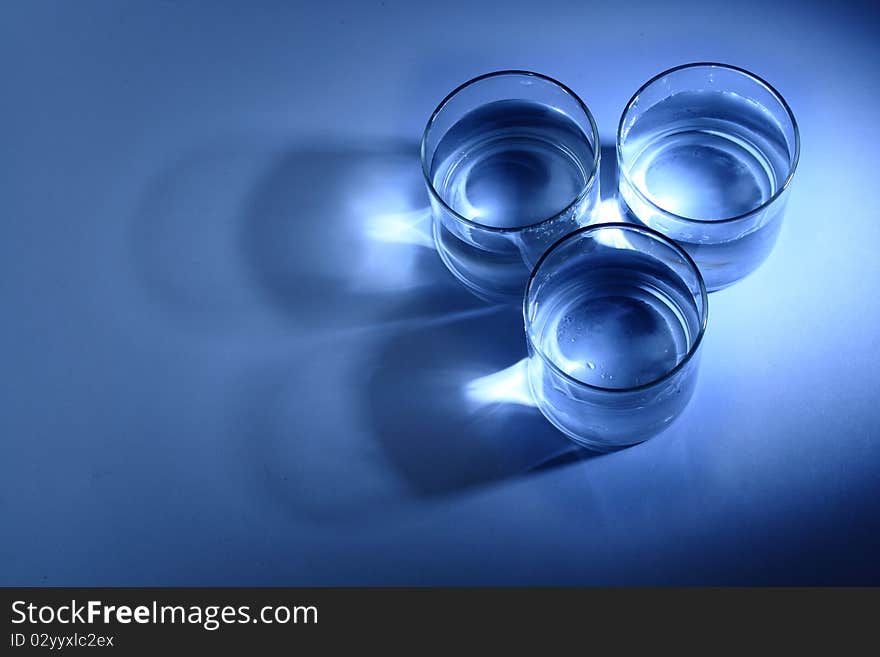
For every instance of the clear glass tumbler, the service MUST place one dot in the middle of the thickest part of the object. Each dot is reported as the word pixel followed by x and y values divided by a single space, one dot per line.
pixel 706 153
pixel 511 162
pixel 614 316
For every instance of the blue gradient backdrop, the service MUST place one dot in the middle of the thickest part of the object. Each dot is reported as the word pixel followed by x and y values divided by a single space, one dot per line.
pixel 231 357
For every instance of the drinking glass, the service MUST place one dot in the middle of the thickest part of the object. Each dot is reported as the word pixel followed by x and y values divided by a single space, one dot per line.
pixel 511 163
pixel 706 154
pixel 614 316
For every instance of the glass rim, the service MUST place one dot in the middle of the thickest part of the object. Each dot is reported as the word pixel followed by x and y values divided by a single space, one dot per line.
pixel 587 186
pixel 650 232
pixel 794 159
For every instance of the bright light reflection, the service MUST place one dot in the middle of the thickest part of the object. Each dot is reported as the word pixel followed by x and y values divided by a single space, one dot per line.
pixel 413 227
pixel 392 242
pixel 613 237
pixel 389 233
pixel 509 385
pixel 608 212
pixel 570 367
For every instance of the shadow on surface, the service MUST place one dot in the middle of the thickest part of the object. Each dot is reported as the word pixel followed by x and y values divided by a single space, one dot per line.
pixel 185 242
pixel 315 266
pixel 339 242
pixel 335 237
pixel 608 172
pixel 450 411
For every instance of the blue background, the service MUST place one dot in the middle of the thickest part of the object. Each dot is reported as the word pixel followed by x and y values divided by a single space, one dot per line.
pixel 231 357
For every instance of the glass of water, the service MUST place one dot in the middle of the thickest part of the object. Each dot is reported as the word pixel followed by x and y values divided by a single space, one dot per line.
pixel 511 162
pixel 706 154
pixel 614 316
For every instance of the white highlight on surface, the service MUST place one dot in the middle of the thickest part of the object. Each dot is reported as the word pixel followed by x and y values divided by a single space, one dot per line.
pixel 390 239
pixel 412 227
pixel 509 385
pixel 569 366
pixel 608 212
pixel 613 237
